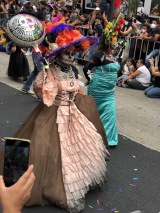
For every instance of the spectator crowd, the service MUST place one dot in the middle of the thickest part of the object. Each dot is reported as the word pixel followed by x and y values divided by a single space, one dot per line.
pixel 136 49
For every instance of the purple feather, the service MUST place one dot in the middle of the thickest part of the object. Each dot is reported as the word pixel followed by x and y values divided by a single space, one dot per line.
pixel 60 27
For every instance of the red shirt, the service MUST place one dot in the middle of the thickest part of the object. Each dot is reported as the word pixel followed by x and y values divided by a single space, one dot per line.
pixel 117 4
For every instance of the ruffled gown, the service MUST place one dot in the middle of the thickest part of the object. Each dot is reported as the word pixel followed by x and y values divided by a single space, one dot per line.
pixel 102 89
pixel 68 144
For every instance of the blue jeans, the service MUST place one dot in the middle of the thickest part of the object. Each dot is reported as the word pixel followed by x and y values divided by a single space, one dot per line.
pixel 152 92
pixel 2 49
pixel 37 67
pixel 153 54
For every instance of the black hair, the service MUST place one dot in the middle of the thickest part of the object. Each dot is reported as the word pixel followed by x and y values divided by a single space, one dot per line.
pixel 99 17
pixel 102 44
pixel 51 37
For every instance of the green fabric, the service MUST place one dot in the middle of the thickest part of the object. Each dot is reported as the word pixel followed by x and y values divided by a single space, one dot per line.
pixel 102 88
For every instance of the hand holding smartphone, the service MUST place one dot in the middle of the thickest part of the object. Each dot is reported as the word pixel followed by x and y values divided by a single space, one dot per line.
pixel 16 159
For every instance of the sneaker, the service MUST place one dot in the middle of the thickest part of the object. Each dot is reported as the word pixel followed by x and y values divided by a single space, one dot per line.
pixel 27 92
pixel 24 91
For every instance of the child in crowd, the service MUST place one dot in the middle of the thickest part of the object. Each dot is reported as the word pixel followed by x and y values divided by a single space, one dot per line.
pixel 129 68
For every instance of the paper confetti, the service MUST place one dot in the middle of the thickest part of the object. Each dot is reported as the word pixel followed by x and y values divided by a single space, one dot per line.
pixel 120 190
pixel 133 156
pixel 97 202
pixel 104 204
pixel 112 210
pixel 135 178
pixel 132 184
pixel 99 209
pixel 135 169
pixel 90 206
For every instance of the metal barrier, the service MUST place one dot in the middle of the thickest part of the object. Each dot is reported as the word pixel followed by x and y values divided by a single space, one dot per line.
pixel 141 48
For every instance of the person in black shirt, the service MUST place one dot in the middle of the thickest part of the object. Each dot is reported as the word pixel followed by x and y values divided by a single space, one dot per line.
pixel 97 30
pixel 153 35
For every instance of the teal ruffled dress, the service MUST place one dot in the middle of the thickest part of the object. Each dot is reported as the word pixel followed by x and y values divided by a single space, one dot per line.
pixel 102 88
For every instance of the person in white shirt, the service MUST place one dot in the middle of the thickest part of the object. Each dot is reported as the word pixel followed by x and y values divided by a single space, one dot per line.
pixel 140 79
pixel 140 11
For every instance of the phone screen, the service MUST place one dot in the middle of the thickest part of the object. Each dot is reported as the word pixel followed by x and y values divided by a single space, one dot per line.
pixel 16 159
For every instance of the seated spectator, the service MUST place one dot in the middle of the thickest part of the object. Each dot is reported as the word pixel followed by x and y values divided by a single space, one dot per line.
pixel 140 79
pixel 153 54
pixel 128 68
pixel 154 90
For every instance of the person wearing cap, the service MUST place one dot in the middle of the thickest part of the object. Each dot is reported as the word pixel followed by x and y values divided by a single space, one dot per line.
pixel 140 11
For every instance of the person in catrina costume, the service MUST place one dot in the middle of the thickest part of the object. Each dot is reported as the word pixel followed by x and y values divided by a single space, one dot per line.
pixel 102 88
pixel 69 148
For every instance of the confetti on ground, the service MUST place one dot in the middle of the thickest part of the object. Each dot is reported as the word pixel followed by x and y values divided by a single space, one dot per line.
pixel 97 202
pixel 7 122
pixel 158 126
pixel 135 178
pixel 120 190
pixel 113 210
pixel 133 156
pixel 131 184
pixel 135 169
pixel 138 130
pixel 90 206
pixel 99 209
pixel 104 204
pixel 116 211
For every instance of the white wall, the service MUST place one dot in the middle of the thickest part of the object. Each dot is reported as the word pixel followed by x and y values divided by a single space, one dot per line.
pixel 147 6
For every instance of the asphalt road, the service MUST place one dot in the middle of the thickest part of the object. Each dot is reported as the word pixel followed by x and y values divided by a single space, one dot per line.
pixel 134 170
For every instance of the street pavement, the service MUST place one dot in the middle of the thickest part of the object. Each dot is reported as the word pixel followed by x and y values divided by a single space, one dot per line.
pixel 134 168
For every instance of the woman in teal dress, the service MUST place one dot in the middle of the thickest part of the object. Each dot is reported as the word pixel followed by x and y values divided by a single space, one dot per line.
pixel 102 88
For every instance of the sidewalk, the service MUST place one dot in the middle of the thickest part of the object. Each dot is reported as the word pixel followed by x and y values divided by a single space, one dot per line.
pixel 138 117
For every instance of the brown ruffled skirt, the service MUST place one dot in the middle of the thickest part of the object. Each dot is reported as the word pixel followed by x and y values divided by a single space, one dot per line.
pixel 46 153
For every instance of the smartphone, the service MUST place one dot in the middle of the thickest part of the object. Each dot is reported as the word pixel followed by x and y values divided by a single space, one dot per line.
pixel 16 159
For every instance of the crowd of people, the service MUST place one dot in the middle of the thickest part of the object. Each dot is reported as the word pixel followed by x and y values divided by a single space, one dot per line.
pixel 138 35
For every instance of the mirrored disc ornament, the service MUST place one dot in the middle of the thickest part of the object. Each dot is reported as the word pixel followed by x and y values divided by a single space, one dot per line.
pixel 25 30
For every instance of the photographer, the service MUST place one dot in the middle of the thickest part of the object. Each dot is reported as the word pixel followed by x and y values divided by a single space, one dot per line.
pixel 14 198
